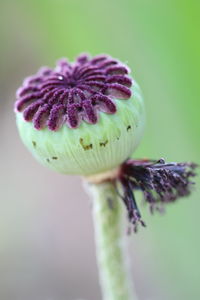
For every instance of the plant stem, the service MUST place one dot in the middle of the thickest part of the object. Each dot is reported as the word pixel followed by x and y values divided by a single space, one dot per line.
pixel 110 243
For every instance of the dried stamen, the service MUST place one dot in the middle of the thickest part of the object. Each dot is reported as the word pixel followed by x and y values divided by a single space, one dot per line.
pixel 160 183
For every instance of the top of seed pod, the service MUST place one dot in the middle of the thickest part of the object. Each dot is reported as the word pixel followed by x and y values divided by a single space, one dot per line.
pixel 73 92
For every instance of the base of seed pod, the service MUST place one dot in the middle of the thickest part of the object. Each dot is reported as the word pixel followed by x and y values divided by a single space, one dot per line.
pixel 103 177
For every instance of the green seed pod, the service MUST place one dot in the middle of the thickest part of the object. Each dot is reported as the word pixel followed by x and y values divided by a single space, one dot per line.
pixel 83 118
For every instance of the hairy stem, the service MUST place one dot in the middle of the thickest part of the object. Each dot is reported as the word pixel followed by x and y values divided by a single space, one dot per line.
pixel 110 243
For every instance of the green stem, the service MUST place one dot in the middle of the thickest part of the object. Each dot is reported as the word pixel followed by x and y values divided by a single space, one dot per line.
pixel 110 243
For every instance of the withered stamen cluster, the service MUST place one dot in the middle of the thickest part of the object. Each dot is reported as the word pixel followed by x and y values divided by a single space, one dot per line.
pixel 160 183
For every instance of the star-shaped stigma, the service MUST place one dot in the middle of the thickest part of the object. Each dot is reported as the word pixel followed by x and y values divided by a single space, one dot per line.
pixel 73 92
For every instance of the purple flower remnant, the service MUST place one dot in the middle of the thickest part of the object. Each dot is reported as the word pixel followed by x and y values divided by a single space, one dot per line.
pixel 160 183
pixel 73 92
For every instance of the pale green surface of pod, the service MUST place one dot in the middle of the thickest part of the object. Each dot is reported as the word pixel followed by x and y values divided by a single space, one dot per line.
pixel 89 149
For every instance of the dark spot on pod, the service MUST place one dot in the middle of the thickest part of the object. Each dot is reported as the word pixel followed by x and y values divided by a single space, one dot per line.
pixel 34 144
pixel 103 144
pixel 128 127
pixel 110 203
pixel 85 147
pixel 48 160
pixel 54 157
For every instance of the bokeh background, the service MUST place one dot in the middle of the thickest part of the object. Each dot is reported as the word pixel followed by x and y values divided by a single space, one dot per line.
pixel 46 233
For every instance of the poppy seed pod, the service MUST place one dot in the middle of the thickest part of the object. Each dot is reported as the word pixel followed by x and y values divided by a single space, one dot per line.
pixel 82 118
pixel 87 118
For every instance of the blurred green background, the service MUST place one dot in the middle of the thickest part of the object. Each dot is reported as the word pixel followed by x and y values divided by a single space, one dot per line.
pixel 47 249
